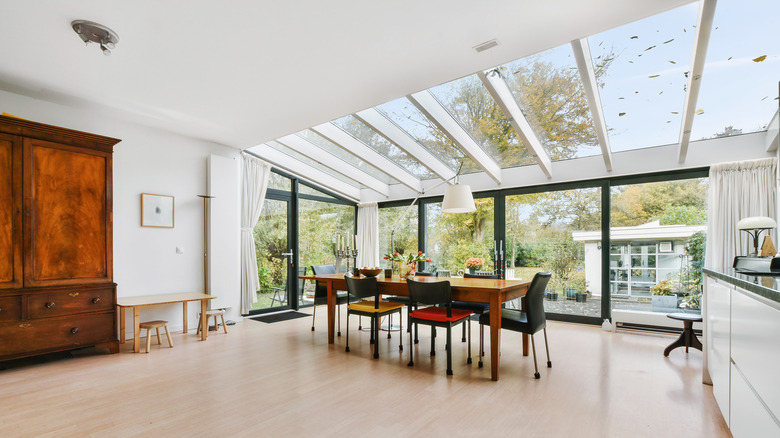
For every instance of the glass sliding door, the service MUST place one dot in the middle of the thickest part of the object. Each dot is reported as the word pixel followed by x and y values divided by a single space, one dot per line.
pixel 560 232
pixel 657 240
pixel 274 255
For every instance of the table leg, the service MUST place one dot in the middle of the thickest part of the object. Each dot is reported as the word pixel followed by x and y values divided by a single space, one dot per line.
pixel 121 311
pixel 331 312
pixel 184 316
pixel 495 335
pixel 204 321
pixel 136 329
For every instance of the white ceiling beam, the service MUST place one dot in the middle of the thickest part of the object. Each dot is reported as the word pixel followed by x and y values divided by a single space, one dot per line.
pixel 306 172
pixel 357 148
pixel 436 113
pixel 389 130
pixel 701 43
pixel 312 151
pixel 591 86
pixel 501 93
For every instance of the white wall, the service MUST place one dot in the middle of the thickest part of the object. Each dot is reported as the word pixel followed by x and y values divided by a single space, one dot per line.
pixel 148 161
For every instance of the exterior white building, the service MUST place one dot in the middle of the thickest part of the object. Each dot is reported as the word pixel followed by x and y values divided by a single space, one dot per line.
pixel 640 256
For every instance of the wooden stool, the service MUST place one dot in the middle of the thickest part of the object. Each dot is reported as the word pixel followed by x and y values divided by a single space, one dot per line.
pixel 687 338
pixel 155 325
pixel 214 313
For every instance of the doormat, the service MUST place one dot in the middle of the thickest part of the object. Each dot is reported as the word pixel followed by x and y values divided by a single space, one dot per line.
pixel 276 317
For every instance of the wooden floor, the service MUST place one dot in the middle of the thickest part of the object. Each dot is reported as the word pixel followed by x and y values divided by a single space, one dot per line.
pixel 282 379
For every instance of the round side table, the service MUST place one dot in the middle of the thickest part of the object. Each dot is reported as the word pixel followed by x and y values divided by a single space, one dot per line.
pixel 687 338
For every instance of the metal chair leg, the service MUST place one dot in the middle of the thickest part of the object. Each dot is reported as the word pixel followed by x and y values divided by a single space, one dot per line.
pixel 338 309
pixel 411 345
pixel 547 347
pixel 313 316
pixel 536 367
pixel 449 350
pixel 376 343
pixel 481 351
pixel 469 348
pixel 463 335
pixel 347 349
pixel 433 341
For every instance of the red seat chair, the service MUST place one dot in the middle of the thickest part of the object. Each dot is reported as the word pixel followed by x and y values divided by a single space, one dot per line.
pixel 438 296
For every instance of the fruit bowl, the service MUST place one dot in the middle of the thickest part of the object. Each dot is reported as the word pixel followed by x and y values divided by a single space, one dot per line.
pixel 371 272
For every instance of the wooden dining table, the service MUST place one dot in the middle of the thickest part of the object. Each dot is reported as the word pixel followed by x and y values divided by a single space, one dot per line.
pixel 479 290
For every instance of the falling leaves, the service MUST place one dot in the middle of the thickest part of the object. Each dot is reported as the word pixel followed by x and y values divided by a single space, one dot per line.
pixel 760 58
pixel 675 112
pixel 699 111
pixel 634 37
pixel 621 114
pixel 729 58
pixel 621 98
pixel 686 74
pixel 672 62
pixel 765 98
pixel 653 76
pixel 667 42
pixel 649 48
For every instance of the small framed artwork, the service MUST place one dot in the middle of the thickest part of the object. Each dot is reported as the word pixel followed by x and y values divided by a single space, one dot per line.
pixel 156 211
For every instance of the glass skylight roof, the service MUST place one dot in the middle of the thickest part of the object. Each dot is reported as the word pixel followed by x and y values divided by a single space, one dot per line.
pixel 413 121
pixel 641 70
pixel 304 159
pixel 472 106
pixel 370 138
pixel 548 89
pixel 739 92
pixel 332 148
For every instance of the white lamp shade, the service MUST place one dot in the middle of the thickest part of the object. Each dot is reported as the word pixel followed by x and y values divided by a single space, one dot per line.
pixel 756 223
pixel 458 199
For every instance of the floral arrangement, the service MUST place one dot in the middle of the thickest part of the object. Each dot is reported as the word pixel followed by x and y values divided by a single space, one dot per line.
pixel 474 262
pixel 664 288
pixel 409 258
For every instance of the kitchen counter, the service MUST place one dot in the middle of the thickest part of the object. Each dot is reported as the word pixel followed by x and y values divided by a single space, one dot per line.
pixel 767 286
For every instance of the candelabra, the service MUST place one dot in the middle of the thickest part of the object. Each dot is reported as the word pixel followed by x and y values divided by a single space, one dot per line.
pixel 348 254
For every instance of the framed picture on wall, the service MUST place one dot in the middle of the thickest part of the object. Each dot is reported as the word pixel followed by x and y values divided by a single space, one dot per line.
pixel 156 210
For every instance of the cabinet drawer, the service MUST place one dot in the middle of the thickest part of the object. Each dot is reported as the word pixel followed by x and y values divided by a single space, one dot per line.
pixel 10 308
pixel 69 303
pixel 57 333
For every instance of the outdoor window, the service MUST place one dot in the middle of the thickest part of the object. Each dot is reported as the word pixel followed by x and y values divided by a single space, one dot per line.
pixel 454 238
pixel 405 234
pixel 559 232
pixel 657 243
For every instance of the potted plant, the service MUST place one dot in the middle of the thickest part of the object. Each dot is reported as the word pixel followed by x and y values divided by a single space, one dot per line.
pixel 664 298
pixel 579 284
pixel 474 263
pixel 553 286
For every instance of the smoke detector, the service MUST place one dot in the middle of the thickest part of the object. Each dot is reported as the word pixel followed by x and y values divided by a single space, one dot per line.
pixel 91 32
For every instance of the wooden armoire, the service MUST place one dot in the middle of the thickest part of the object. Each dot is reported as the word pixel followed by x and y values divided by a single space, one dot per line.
pixel 56 265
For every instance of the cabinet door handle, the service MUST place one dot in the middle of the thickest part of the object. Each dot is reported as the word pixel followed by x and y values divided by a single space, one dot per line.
pixel 1 309
pixel 73 294
pixel 95 300
pixel 50 305
pixel 74 330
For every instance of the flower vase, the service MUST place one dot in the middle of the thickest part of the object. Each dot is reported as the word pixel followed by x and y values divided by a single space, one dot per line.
pixel 472 270
pixel 406 270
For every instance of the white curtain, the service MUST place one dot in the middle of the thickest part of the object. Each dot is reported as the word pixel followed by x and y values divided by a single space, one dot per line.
pixel 738 190
pixel 256 175
pixel 368 235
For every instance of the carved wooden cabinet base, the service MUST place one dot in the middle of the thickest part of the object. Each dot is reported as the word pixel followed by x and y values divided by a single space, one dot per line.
pixel 56 263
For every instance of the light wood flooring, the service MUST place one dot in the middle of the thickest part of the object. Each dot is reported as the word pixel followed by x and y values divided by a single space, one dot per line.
pixel 282 379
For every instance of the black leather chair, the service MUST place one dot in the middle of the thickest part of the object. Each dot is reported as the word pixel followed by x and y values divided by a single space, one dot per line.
pixel 405 300
pixel 530 321
pixel 438 296
pixel 477 308
pixel 321 294
pixel 367 288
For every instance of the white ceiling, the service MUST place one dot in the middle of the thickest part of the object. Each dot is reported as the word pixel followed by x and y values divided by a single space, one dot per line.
pixel 244 72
